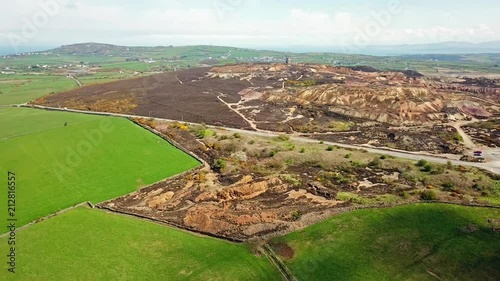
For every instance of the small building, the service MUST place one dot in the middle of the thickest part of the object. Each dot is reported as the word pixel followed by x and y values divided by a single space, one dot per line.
pixel 478 153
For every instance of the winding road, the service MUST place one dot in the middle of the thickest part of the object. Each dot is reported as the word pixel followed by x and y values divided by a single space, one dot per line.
pixel 492 166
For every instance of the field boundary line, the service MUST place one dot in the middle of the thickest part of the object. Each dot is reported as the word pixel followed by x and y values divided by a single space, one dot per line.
pixel 86 203
pixel 273 258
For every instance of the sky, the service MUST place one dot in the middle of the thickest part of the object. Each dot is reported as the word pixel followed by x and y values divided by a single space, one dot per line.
pixel 247 23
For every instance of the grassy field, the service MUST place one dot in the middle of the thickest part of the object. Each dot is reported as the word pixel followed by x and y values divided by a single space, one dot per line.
pixel 417 242
pixel 90 159
pixel 24 88
pixel 86 244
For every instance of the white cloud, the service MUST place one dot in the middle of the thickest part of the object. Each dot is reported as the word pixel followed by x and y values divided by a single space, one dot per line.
pixel 173 22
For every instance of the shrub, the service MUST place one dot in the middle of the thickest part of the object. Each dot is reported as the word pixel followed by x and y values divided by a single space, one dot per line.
pixel 275 165
pixel 203 133
pixel 375 162
pixel 383 157
pixel 404 194
pixel 290 146
pixel 348 155
pixel 251 142
pixel 237 136
pixel 302 150
pixel 427 168
pixel 448 186
pixel 422 163
pixel 428 195
pixel 283 138
pixel 291 180
pixel 219 165
pixel 439 170
pixel 358 164
pixel 314 164
pixel 458 138
pixel 410 177
pixel 330 148
pixel 295 215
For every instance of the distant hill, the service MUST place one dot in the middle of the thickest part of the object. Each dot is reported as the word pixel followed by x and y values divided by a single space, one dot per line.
pixel 444 48
pixel 90 49
pixel 100 49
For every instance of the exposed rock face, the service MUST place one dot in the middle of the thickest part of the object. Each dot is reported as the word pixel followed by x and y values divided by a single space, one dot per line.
pixel 383 104
pixel 397 98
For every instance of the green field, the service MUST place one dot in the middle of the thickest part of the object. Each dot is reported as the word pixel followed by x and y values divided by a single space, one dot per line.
pixel 24 88
pixel 86 244
pixel 404 243
pixel 90 159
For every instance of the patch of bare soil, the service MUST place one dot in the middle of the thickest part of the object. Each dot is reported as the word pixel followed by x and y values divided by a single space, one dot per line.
pixel 283 250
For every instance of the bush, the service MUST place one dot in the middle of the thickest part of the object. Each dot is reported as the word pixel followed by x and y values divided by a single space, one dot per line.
pixel 375 162
pixel 427 168
pixel 203 133
pixel 330 148
pixel 438 171
pixel 251 142
pixel 404 194
pixel 295 215
pixel 383 157
pixel 348 155
pixel 422 163
pixel 302 150
pixel 314 164
pixel 219 165
pixel 428 195
pixel 448 186
pixel 237 136
pixel 458 138
pixel 283 138
pixel 291 180
pixel 358 164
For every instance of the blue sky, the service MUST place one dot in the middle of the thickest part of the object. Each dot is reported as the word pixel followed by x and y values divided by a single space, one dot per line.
pixel 247 23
